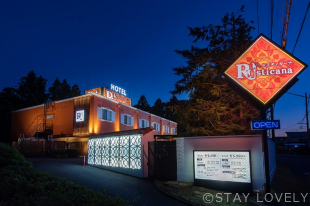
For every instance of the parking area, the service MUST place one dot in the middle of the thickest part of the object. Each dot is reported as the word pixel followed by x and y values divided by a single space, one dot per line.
pixel 135 190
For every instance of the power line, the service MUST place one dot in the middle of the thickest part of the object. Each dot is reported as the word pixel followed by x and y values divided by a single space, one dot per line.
pixel 301 27
pixel 298 95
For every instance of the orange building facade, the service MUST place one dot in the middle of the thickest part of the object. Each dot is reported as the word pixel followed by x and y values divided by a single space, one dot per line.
pixel 76 119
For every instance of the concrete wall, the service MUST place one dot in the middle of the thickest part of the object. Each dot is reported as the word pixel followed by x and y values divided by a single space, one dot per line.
pixel 185 147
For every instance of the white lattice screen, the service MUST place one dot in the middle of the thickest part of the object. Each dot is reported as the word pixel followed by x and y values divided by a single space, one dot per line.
pixel 121 151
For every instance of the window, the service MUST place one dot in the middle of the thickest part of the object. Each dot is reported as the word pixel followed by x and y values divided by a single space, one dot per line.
pixel 173 131
pixel 156 127
pixel 166 129
pixel 143 123
pixel 106 114
pixel 127 119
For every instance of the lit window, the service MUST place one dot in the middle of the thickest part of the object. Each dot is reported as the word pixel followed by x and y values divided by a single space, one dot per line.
pixel 166 129
pixel 127 119
pixel 143 123
pixel 156 127
pixel 173 132
pixel 106 114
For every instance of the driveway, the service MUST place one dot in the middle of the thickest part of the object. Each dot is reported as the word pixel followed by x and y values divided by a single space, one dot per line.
pixel 135 190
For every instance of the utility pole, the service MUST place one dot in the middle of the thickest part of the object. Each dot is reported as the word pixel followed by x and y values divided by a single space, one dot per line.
pixel 272 118
pixel 307 121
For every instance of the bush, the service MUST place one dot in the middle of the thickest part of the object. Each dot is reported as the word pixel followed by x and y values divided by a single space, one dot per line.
pixel 11 156
pixel 20 184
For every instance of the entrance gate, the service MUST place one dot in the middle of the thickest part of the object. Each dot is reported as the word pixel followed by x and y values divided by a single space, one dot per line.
pixel 162 160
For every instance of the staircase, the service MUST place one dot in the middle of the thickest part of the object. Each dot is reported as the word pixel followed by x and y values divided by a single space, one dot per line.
pixel 39 126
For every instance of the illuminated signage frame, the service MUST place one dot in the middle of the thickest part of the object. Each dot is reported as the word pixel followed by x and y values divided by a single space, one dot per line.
pixel 265 124
pixel 248 95
pixel 225 185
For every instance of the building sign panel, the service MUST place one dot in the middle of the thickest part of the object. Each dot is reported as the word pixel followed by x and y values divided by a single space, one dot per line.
pixel 264 69
pixel 94 91
pixel 232 166
pixel 265 124
pixel 79 116
pixel 117 97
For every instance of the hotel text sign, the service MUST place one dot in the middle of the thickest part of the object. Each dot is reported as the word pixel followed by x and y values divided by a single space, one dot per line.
pixel 118 90
pixel 264 69
pixel 233 166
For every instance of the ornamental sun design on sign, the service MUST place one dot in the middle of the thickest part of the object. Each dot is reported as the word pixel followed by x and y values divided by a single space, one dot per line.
pixel 264 69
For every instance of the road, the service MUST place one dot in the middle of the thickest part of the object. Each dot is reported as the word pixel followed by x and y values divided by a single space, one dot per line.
pixel 135 190
pixel 298 164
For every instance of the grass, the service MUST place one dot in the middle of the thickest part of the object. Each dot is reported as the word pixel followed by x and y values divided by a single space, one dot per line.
pixel 20 184
pixel 284 181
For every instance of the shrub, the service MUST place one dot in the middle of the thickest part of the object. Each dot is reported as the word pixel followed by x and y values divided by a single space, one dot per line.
pixel 11 156
pixel 20 184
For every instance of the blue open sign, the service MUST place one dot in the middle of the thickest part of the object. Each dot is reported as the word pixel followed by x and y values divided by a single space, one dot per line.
pixel 265 124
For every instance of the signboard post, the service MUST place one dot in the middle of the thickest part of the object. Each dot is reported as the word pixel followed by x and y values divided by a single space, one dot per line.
pixel 261 75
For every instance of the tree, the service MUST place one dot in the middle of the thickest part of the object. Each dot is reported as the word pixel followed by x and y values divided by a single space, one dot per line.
pixel 159 108
pixel 9 101
pixel 143 104
pixel 32 90
pixel 62 90
pixel 213 107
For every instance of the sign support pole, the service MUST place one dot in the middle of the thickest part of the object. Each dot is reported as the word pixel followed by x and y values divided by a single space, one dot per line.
pixel 266 152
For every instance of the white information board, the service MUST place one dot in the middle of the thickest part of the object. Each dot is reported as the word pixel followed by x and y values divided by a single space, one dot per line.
pixel 231 166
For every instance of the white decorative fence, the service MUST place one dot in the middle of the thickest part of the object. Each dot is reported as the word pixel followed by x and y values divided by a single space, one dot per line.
pixel 119 153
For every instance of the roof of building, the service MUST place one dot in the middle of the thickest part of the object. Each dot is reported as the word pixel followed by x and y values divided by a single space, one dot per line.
pixel 142 131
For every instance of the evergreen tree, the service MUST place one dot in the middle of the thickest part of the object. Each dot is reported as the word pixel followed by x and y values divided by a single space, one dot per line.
pixel 159 108
pixel 32 90
pixel 143 104
pixel 62 90
pixel 213 108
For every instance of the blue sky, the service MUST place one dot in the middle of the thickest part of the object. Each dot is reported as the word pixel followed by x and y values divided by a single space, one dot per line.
pixel 131 43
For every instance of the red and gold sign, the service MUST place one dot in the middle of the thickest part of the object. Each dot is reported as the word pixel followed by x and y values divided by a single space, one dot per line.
pixel 264 69
pixel 117 97
pixel 94 91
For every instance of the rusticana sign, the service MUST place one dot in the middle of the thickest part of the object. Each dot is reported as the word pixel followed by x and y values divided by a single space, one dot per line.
pixel 264 72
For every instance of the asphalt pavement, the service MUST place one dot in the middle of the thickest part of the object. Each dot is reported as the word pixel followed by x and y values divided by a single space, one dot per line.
pixel 136 191
pixel 298 164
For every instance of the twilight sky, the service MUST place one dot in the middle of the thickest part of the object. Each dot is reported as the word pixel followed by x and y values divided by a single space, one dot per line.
pixel 131 43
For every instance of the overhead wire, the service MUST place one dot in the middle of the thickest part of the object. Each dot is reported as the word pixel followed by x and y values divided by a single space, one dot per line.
pixel 301 27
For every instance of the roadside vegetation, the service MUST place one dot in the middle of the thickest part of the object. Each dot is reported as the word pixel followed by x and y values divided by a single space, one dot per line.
pixel 20 184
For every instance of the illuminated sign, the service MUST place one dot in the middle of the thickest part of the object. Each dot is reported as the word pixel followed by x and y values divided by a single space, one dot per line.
pixel 118 89
pixel 79 116
pixel 117 97
pixel 265 124
pixel 264 69
pixel 94 91
pixel 232 166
